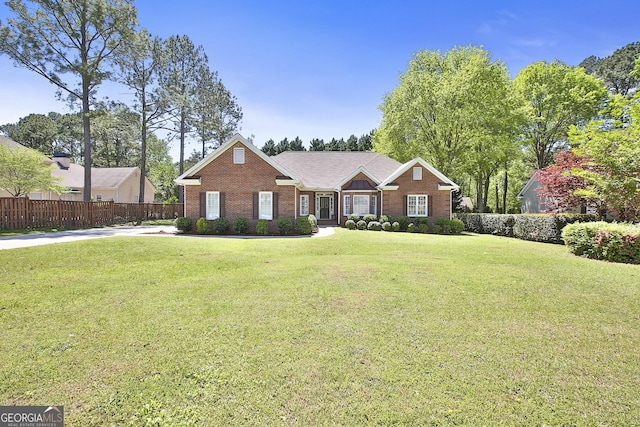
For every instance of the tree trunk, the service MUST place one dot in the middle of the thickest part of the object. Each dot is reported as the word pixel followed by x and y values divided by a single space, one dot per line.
pixel 182 135
pixel 504 190
pixel 143 149
pixel 487 182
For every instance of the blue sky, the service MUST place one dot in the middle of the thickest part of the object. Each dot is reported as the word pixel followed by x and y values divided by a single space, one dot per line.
pixel 319 69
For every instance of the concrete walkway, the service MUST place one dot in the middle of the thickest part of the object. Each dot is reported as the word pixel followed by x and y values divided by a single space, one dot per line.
pixel 26 240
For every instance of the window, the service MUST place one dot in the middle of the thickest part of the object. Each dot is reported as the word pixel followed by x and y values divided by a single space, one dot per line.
pixel 35 196
pixel 265 205
pixel 416 205
pixel 238 156
pixel 213 204
pixel 304 204
pixel 417 173
pixel 347 205
pixel 361 205
pixel 374 205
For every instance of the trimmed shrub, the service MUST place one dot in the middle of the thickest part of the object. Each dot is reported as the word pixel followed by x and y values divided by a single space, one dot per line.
pixel 420 220
pixel 220 225
pixel 374 226
pixel 362 225
pixel 385 218
pixel 241 225
pixel 202 226
pixel 457 226
pixel 350 224
pixel 369 217
pixel 411 227
pixel 284 226
pixel 354 217
pixel 304 225
pixel 616 242
pixel 422 228
pixel 314 221
pixel 386 226
pixel 262 227
pixel 545 228
pixel 183 224
pixel 443 226
pixel 404 222
pixel 395 226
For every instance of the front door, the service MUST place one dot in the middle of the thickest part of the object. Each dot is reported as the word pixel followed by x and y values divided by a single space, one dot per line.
pixel 324 207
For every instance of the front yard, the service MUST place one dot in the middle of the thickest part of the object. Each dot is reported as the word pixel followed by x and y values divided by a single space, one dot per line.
pixel 360 328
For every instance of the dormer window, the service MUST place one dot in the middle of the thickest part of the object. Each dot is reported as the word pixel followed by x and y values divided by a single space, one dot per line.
pixel 417 173
pixel 238 156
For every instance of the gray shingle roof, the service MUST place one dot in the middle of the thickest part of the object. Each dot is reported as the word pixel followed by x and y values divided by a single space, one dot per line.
pixel 327 169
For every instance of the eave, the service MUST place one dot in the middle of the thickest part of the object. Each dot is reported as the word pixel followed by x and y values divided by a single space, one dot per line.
pixel 189 181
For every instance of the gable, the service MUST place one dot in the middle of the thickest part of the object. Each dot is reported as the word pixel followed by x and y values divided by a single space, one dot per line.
pixel 225 154
pixel 428 173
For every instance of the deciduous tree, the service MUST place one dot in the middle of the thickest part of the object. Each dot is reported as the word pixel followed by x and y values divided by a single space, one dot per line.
pixel 559 183
pixel 25 170
pixel 554 96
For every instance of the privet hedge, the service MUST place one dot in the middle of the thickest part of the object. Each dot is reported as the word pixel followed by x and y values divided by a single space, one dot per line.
pixel 545 228
pixel 617 242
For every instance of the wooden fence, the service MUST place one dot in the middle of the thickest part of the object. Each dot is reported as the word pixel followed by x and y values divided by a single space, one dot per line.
pixel 22 213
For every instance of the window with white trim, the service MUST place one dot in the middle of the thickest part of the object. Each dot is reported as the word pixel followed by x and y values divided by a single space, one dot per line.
pixel 213 204
pixel 265 205
pixel 416 205
pixel 347 205
pixel 238 156
pixel 36 196
pixel 304 204
pixel 417 173
pixel 374 205
pixel 360 204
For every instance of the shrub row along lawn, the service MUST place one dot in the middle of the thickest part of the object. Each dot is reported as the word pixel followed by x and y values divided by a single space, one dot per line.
pixel 352 329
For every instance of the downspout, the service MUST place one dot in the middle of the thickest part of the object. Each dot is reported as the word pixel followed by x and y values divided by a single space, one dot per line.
pixel 450 203
pixel 339 208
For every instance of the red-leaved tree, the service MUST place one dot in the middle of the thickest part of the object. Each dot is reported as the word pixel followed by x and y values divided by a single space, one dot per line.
pixel 558 184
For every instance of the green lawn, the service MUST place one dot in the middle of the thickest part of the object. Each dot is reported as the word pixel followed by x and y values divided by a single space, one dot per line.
pixel 360 328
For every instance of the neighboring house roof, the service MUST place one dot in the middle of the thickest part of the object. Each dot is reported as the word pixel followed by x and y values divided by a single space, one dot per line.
pixel 5 140
pixel 329 170
pixel 533 182
pixel 73 177
pixel 110 177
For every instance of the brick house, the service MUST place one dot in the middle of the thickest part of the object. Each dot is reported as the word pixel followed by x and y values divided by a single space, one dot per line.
pixel 239 180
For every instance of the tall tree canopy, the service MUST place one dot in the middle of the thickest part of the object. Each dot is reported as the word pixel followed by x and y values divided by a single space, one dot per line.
pixel 140 64
pixel 616 69
pixel 216 114
pixel 179 80
pixel 56 38
pixel 554 96
pixel 442 102
pixel 613 152
pixel 454 110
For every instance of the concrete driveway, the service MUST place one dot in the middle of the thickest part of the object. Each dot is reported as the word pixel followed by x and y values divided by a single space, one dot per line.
pixel 26 240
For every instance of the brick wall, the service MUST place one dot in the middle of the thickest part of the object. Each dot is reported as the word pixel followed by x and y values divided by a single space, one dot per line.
pixel 239 182
pixel 393 201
